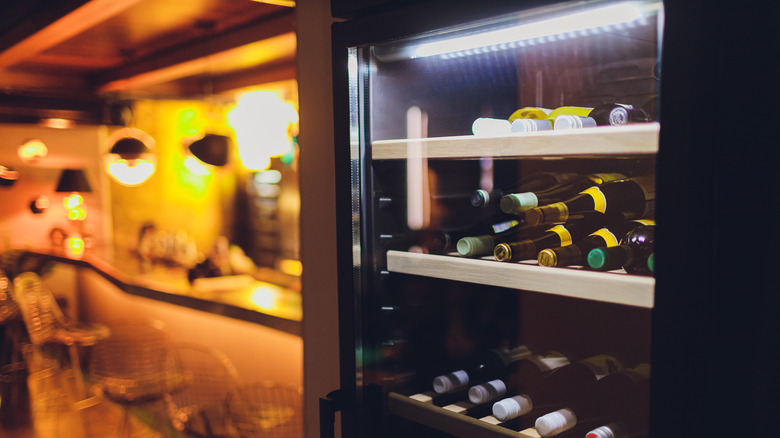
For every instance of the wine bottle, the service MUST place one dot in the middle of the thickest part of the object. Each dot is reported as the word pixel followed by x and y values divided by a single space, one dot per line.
pixel 616 405
pixel 573 122
pixel 573 393
pixel 530 112
pixel 631 197
pixel 577 253
pixel 569 111
pixel 488 127
pixel 446 241
pixel 556 236
pixel 618 114
pixel 536 181
pixel 487 366
pixel 530 125
pixel 624 398
pixel 526 382
pixel 632 254
pixel 521 202
pixel 484 245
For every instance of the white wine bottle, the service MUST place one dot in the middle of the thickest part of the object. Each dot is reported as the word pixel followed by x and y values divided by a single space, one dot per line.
pixel 630 197
pixel 522 201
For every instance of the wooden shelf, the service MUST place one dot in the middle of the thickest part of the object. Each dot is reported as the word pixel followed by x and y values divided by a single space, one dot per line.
pixel 418 408
pixel 608 287
pixel 629 140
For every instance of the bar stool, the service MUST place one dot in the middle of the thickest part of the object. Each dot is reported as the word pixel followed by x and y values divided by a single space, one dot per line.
pixel 199 407
pixel 130 368
pixel 46 324
pixel 267 409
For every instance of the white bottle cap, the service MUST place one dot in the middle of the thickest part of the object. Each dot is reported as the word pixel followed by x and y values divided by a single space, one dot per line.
pixel 601 432
pixel 475 246
pixel 567 121
pixel 512 407
pixel 530 125
pixel 451 382
pixel 486 127
pixel 481 394
pixel 555 422
pixel 518 202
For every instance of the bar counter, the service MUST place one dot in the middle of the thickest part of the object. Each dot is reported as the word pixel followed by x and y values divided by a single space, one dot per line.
pixel 266 297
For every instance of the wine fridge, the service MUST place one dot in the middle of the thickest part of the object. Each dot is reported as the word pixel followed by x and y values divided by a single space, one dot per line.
pixel 496 210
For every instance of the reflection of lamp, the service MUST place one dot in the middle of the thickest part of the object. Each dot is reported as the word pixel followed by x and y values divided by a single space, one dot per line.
pixel 73 180
pixel 32 150
pixel 211 149
pixel 131 160
pixel 8 176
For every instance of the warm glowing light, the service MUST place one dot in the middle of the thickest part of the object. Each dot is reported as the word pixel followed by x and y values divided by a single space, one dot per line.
pixel 291 267
pixel 264 297
pixel 72 201
pixel 196 166
pixel 56 123
pixel 576 24
pixel 31 150
pixel 74 246
pixel 134 166
pixel 263 124
pixel 77 214
pixel 268 177
pixel 130 172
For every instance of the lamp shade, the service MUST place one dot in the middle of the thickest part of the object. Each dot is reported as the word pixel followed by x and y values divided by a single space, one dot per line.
pixel 211 149
pixel 73 180
pixel 130 148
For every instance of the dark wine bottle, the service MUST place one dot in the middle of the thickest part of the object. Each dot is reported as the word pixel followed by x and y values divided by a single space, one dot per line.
pixel 621 396
pixel 534 182
pixel 572 393
pixel 478 246
pixel 632 254
pixel 525 384
pixel 486 366
pixel 618 114
pixel 577 253
pixel 624 398
pixel 521 202
pixel 447 241
pixel 632 197
pixel 556 236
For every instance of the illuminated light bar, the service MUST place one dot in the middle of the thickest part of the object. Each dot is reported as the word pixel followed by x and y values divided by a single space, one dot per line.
pixel 590 22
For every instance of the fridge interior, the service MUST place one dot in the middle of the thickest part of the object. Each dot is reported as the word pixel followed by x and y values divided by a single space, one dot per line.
pixel 414 154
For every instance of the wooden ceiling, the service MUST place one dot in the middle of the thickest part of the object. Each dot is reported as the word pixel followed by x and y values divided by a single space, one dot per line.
pixel 57 51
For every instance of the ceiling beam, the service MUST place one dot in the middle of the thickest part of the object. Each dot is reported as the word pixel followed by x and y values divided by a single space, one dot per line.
pixel 259 42
pixel 75 22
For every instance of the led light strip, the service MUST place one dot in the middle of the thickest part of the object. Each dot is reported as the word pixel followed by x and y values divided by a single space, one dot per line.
pixel 589 22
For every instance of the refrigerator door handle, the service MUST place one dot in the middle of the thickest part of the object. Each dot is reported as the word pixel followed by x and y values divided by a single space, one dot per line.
pixel 329 405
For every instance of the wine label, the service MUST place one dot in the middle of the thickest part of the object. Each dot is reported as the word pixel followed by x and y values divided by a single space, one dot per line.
pixel 600 178
pixel 607 235
pixel 602 365
pixel 503 226
pixel 530 112
pixel 563 234
pixel 599 200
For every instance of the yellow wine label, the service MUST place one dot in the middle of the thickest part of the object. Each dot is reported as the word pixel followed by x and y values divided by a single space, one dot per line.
pixel 645 221
pixel 599 200
pixel 607 235
pixel 600 178
pixel 563 233
pixel 530 112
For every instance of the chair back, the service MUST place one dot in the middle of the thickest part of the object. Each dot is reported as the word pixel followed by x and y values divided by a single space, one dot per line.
pixel 268 410
pixel 8 307
pixel 199 407
pixel 40 311
pixel 129 365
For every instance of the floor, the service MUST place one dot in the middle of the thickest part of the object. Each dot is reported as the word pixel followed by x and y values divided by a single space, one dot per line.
pixel 50 412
